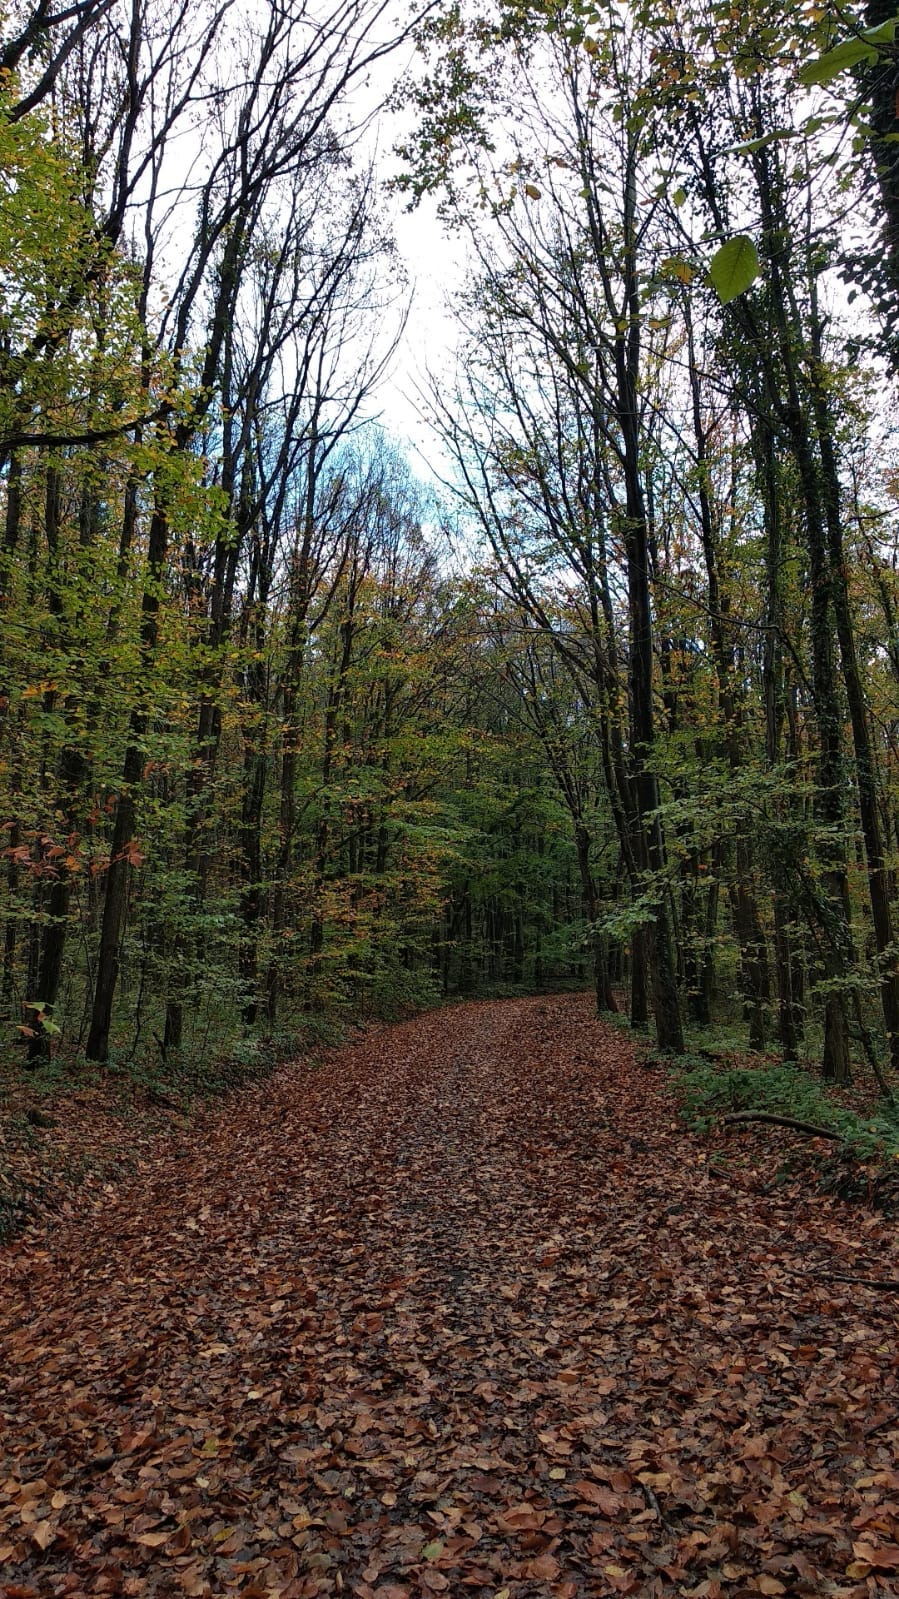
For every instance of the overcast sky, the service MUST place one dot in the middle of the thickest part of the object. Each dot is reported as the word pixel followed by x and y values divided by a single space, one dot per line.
pixel 433 260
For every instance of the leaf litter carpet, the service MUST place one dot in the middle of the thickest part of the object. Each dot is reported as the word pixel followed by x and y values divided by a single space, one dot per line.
pixel 462 1310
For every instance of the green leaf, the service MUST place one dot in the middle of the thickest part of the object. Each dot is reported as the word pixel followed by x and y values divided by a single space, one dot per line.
pixel 433 1551
pixel 827 67
pixel 734 267
pixel 851 53
pixel 679 196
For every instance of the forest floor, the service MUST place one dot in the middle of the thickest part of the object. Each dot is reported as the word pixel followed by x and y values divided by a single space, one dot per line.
pixel 461 1310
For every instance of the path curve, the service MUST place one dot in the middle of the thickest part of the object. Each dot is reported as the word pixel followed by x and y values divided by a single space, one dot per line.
pixel 464 1311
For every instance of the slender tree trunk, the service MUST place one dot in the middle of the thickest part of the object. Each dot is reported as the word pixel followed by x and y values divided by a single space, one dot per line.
pixel 639 985
pixel 881 83
pixel 251 903
pixel 662 969
pixel 744 904
pixel 13 523
pixel 865 767
pixel 605 999
pixel 663 985
pixel 839 953
pixel 116 896
pixel 48 974
pixel 53 943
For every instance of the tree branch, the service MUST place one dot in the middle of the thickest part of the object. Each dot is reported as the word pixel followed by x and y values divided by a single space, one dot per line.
pixel 809 1128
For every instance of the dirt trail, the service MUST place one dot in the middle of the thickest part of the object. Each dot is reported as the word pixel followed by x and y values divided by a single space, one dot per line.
pixel 460 1311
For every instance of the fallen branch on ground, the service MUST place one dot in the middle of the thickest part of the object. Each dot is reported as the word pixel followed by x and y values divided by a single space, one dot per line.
pixel 809 1128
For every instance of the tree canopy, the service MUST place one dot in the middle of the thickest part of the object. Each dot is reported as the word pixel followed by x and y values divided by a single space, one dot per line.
pixel 289 733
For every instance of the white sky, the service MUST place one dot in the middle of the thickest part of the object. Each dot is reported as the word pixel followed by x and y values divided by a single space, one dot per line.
pixel 434 262
pixel 435 267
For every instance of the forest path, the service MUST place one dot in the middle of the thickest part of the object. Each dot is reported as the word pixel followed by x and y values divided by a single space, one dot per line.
pixel 464 1311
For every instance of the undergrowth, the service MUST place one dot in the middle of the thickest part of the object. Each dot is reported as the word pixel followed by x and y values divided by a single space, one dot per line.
pixel 709 1091
pixel 197 1074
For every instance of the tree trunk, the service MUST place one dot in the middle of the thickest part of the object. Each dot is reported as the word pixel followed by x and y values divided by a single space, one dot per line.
pixel 116 896
pixel 639 995
pixel 865 768
pixel 605 999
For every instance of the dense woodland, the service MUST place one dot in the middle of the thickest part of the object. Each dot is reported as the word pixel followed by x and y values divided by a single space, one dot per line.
pixel 285 732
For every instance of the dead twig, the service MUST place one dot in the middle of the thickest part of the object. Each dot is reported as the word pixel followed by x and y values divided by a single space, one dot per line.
pixel 884 1285
pixel 653 1503
pixel 885 1421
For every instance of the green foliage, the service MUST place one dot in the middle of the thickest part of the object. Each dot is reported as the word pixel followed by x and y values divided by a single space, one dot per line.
pixel 60 283
pixel 734 267
pixel 708 1092
pixel 396 991
pixel 863 49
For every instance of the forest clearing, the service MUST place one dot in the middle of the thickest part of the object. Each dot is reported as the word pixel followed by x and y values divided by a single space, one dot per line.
pixel 463 1309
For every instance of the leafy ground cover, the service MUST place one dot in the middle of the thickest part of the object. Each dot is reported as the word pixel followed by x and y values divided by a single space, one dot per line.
pixel 711 1090
pixel 64 1129
pixel 62 1146
pixel 464 1310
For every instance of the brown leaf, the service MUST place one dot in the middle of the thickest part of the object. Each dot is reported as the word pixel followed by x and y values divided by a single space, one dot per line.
pixel 885 1556
pixel 433 1580
pixel 544 1568
pixel 604 1500
pixel 193 1437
